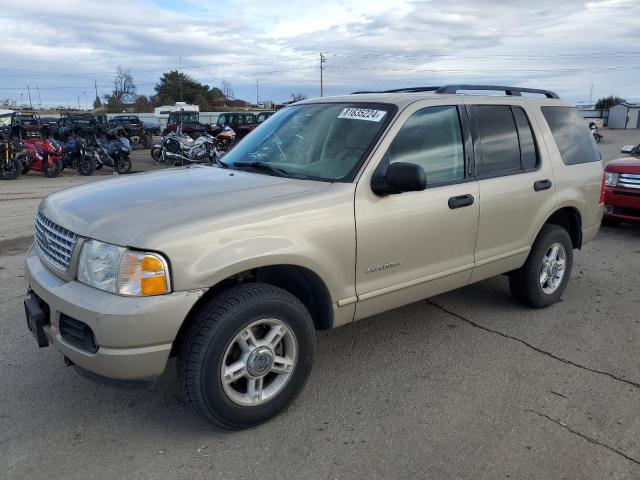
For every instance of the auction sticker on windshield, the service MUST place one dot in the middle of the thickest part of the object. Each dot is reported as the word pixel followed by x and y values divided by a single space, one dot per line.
pixel 362 114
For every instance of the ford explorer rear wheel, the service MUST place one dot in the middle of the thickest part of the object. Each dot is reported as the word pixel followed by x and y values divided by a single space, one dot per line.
pixel 541 281
pixel 247 355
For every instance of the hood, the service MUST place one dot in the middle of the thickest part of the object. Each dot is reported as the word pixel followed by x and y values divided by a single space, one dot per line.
pixel 138 210
pixel 629 164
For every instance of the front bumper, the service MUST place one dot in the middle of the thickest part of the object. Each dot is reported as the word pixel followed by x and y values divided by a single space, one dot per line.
pixel 134 335
pixel 622 204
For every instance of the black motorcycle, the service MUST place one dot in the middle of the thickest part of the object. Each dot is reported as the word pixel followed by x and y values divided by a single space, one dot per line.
pixel 77 157
pixel 114 151
pixel 10 166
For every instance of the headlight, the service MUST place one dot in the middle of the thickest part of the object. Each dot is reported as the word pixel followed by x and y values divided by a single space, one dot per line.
pixel 611 179
pixel 119 270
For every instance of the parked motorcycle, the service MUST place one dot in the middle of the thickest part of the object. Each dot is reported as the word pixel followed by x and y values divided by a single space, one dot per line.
pixel 597 136
pixel 180 149
pixel 113 152
pixel 77 157
pixel 41 156
pixel 10 166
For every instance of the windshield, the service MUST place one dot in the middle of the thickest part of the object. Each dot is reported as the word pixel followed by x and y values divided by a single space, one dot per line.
pixel 322 141
pixel 262 117
pixel 187 117
pixel 27 119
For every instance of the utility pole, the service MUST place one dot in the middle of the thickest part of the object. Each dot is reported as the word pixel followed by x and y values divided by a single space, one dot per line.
pixel 95 84
pixel 180 76
pixel 30 104
pixel 86 104
pixel 590 95
pixel 39 99
pixel 257 92
pixel 323 60
pixel 79 107
pixel 21 102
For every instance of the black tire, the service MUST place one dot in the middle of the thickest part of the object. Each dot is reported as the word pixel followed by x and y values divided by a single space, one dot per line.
pixel 24 167
pixel 10 169
pixel 54 170
pixel 146 140
pixel 86 165
pixel 525 282
pixel 213 329
pixel 156 154
pixel 123 163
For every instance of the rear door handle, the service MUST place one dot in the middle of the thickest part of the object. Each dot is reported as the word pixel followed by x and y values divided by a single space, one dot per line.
pixel 460 201
pixel 542 185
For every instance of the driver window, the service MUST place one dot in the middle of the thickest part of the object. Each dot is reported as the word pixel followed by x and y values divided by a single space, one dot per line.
pixel 432 138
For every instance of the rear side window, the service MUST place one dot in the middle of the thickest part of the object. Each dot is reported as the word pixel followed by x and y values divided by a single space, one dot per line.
pixel 572 136
pixel 505 139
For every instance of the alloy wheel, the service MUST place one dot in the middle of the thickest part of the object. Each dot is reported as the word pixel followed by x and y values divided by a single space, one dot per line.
pixel 553 268
pixel 258 362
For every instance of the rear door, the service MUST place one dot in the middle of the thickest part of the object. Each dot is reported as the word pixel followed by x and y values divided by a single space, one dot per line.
pixel 516 185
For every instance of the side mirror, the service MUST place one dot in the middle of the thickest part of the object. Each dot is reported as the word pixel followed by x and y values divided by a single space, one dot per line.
pixel 399 177
pixel 627 149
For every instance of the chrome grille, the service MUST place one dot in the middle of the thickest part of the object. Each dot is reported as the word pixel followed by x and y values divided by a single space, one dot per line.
pixel 54 243
pixel 629 180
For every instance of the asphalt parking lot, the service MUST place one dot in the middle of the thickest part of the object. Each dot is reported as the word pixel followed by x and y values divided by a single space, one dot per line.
pixel 468 385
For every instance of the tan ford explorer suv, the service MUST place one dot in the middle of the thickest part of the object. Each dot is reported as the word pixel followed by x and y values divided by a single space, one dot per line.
pixel 333 210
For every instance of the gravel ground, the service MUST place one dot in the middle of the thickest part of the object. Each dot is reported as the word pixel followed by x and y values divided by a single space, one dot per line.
pixel 465 385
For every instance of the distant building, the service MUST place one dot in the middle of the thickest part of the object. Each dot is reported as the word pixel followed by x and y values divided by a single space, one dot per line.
pixel 624 115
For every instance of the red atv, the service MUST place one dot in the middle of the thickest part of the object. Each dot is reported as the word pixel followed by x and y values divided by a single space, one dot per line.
pixel 41 156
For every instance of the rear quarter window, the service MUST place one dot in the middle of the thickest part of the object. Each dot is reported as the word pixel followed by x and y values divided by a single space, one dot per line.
pixel 571 135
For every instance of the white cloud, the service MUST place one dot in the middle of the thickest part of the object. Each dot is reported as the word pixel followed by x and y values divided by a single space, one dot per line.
pixel 369 44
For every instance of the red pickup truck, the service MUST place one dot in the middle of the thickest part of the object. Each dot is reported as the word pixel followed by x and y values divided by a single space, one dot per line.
pixel 622 188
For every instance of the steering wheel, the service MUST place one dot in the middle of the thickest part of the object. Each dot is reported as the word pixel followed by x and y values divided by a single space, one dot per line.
pixel 345 153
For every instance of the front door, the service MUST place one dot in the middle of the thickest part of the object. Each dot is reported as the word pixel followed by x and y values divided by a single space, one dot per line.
pixel 417 244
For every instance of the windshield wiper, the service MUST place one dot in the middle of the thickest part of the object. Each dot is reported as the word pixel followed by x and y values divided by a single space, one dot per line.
pixel 264 167
pixel 219 162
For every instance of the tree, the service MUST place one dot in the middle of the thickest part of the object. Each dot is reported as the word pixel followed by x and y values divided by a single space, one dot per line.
pixel 606 103
pixel 227 90
pixel 97 103
pixel 114 104
pixel 216 97
pixel 124 88
pixel 179 86
pixel 297 97
pixel 142 104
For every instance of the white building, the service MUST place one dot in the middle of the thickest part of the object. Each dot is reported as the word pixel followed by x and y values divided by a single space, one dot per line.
pixel 624 115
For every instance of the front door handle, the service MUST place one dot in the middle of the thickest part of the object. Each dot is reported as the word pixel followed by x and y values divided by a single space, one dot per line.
pixel 460 201
pixel 542 185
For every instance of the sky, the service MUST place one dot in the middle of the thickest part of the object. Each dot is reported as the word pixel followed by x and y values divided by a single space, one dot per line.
pixel 580 49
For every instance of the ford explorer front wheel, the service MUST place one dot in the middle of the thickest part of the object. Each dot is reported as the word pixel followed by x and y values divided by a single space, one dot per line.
pixel 246 355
